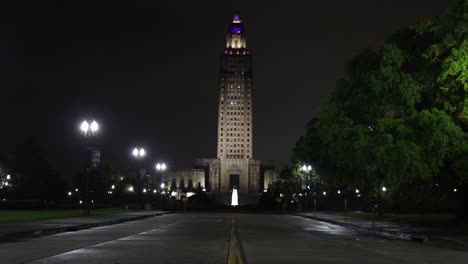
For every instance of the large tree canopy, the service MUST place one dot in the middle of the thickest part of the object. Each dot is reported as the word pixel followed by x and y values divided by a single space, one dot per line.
pixel 401 114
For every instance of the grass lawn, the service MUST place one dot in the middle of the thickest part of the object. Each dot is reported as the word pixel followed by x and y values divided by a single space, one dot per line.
pixel 31 215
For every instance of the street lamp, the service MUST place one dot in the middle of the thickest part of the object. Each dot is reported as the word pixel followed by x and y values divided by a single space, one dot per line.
pixel 305 182
pixel 139 154
pixel 380 209
pixel 345 201
pixel 89 131
pixel 160 168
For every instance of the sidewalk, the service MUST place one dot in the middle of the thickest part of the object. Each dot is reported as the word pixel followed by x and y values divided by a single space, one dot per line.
pixel 394 230
pixel 30 229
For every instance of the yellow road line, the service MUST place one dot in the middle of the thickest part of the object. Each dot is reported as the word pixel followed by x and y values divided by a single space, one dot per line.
pixel 234 254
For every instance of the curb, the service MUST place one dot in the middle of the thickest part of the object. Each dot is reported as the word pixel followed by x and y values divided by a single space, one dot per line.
pixel 56 230
pixel 374 230
pixel 435 241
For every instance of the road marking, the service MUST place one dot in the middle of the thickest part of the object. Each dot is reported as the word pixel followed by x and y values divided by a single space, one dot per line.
pixel 43 259
pixel 234 253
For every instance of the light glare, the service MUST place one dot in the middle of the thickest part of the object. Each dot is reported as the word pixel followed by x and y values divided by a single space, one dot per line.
pixel 142 152
pixel 84 126
pixel 135 152
pixel 94 126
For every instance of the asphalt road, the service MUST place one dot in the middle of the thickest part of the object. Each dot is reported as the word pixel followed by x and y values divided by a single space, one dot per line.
pixel 205 238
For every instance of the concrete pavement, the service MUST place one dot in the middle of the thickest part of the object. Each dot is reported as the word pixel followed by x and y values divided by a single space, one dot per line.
pixel 206 238
pixel 29 229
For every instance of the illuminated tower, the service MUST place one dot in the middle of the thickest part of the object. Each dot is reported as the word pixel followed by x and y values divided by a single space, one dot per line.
pixel 235 112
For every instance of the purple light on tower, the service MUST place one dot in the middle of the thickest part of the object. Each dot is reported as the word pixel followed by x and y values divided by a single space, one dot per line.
pixel 236 29
pixel 236 18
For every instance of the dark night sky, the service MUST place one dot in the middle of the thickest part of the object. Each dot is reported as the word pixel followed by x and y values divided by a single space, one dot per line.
pixel 147 70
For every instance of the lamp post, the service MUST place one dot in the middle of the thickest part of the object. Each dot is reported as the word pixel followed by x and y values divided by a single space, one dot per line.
pixel 160 168
pixel 89 132
pixel 345 201
pixel 139 154
pixel 305 182
pixel 383 190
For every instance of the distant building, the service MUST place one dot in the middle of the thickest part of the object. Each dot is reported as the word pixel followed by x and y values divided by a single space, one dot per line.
pixel 234 165
pixel 187 180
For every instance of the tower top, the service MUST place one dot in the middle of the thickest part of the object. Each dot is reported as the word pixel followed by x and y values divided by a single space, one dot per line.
pixel 236 28
pixel 236 18
pixel 236 42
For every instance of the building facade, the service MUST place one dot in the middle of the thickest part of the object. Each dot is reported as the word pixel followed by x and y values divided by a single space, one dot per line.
pixel 234 148
pixel 235 166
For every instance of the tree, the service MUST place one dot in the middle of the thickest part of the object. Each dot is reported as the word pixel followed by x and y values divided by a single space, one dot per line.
pixel 400 115
pixel 100 182
pixel 34 177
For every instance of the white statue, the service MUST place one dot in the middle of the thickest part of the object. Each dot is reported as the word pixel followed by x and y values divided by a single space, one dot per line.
pixel 234 198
